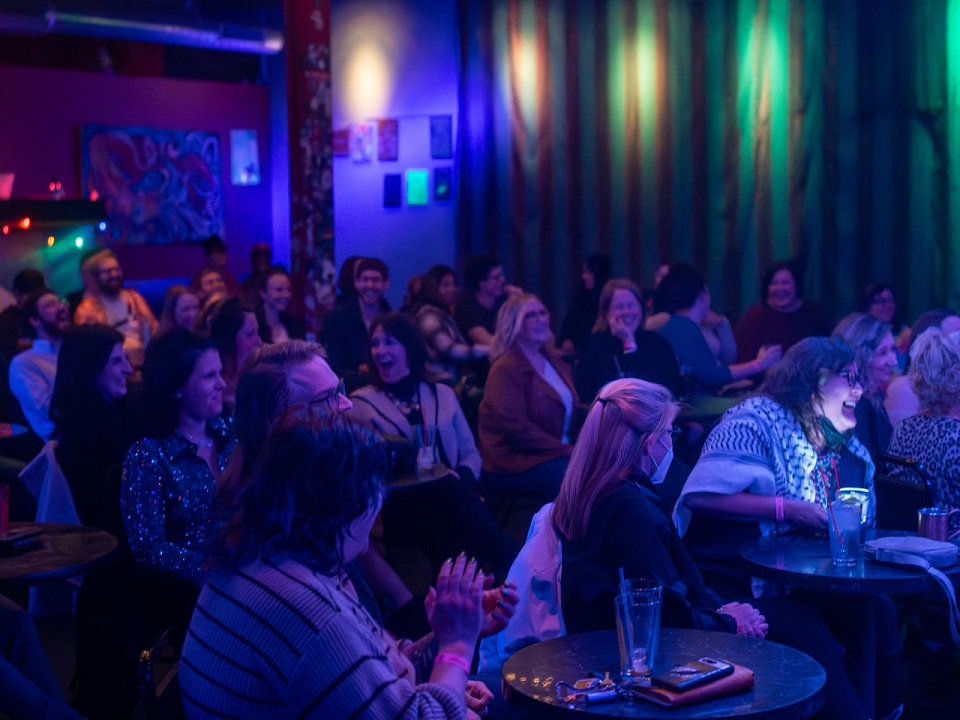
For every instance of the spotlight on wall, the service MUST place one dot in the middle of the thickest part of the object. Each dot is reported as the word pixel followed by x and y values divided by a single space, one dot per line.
pixel 369 81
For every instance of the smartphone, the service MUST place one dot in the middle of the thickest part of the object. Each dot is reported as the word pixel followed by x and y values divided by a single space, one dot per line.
pixel 692 674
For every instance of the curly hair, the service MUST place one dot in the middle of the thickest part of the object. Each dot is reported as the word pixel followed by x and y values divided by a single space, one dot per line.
pixel 935 371
pixel 797 382
pixel 314 478
pixel 863 333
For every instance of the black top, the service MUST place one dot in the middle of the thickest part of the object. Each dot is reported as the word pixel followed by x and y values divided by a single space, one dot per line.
pixel 602 359
pixel 296 328
pixel 873 429
pixel 470 314
pixel 345 338
pixel 629 530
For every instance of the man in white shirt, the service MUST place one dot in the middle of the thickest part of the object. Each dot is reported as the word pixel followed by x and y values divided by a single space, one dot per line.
pixel 33 371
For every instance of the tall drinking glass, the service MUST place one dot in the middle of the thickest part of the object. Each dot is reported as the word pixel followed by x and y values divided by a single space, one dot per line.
pixel 637 610
pixel 844 529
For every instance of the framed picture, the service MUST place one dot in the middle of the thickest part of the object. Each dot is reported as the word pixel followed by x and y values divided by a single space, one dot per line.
pixel 441 137
pixel 388 139
pixel 441 184
pixel 160 187
pixel 392 190
pixel 244 158
pixel 361 142
pixel 341 142
pixel 418 187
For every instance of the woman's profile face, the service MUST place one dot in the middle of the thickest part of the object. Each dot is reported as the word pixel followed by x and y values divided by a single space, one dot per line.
pixel 112 380
pixel 186 311
pixel 248 339
pixel 883 363
pixel 389 356
pixel 782 290
pixel 840 393
pixel 201 397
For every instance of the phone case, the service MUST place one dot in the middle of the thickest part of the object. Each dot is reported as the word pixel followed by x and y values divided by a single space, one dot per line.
pixel 692 674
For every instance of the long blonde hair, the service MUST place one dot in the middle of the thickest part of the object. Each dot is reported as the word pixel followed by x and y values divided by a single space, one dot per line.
pixel 611 445
pixel 510 323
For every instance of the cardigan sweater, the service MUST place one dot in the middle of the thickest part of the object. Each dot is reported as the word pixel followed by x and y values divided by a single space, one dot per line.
pixel 521 415
pixel 440 409
pixel 275 640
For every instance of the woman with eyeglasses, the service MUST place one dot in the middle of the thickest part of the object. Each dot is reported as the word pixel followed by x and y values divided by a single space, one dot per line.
pixel 403 402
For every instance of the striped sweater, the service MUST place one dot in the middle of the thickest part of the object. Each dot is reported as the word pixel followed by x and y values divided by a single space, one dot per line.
pixel 274 639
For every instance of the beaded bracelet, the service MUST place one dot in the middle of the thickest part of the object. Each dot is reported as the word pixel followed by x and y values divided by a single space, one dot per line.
pixel 452 659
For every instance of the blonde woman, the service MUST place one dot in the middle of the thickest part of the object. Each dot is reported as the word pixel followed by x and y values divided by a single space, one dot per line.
pixel 529 405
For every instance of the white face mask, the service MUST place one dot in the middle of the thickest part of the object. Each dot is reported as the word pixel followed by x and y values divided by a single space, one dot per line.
pixel 660 474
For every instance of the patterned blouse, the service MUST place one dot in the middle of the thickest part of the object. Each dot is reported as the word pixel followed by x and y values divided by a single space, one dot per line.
pixel 933 441
pixel 166 500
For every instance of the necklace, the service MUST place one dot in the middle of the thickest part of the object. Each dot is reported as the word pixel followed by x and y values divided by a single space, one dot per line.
pixel 405 406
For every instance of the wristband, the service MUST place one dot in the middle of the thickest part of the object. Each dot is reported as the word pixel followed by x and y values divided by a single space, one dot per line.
pixel 778 504
pixel 452 659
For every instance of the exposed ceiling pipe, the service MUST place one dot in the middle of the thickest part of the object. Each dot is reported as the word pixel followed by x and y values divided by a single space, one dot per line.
pixel 236 38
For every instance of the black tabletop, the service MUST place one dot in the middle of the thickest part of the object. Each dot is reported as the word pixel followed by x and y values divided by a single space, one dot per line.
pixel 65 551
pixel 805 563
pixel 789 684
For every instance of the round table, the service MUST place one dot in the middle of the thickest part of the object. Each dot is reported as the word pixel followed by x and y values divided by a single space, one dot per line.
pixel 789 684
pixel 65 551
pixel 805 562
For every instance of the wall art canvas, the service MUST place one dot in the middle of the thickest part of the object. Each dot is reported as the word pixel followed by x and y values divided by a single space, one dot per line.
pixel 418 187
pixel 161 187
pixel 442 183
pixel 441 137
pixel 361 142
pixel 388 139
pixel 392 190
pixel 341 142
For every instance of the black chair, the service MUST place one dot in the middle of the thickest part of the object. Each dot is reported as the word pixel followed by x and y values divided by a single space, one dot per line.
pixel 159 689
pixel 901 492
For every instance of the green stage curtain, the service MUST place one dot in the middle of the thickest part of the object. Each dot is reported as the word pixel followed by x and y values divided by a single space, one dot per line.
pixel 726 133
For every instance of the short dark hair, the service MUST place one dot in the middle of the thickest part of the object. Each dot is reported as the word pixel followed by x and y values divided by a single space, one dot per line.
pixel 314 478
pixel 371 263
pixel 478 269
pixel 28 280
pixel 224 326
pixel 348 276
pixel 872 291
pixel 791 267
pixel 796 380
pixel 274 270
pixel 170 360
pixel 407 334
pixel 30 310
pixel 213 244
pixel 680 288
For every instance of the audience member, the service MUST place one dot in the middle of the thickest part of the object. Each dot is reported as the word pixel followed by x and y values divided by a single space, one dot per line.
pixel 234 332
pixel 619 347
pixel 216 253
pixel 13 326
pixel 345 331
pixel 932 436
pixel 209 286
pixel 782 317
pixel 529 405
pixel 446 515
pixel 901 401
pixel 876 357
pixel 347 279
pixel 487 289
pixel 688 298
pixel 261 260
pixel 169 477
pixel 880 301
pixel 446 345
pixel 308 514
pixel 584 303
pixel 33 372
pixel 275 322
pixel 88 278
pixel 122 309
pixel 181 309
pixel 611 524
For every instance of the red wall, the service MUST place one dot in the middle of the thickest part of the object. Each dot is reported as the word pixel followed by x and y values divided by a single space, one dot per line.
pixel 43 111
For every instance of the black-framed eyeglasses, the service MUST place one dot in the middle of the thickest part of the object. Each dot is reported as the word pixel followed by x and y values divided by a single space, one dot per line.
pixel 853 379
pixel 329 400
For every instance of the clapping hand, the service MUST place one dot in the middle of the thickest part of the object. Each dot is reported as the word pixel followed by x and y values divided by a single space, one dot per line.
pixel 499 604
pixel 750 623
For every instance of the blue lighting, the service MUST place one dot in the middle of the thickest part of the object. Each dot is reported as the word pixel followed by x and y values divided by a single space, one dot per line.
pixel 102 226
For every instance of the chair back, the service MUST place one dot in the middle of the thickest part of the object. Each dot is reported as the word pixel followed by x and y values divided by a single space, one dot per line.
pixel 902 489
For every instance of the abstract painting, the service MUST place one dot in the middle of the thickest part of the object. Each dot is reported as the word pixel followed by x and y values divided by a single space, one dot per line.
pixel 161 187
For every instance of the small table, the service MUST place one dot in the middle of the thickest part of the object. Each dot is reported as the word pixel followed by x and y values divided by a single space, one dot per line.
pixel 805 562
pixel 789 684
pixel 438 472
pixel 65 551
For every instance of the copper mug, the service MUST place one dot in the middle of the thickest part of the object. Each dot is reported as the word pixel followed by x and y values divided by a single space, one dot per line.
pixel 934 523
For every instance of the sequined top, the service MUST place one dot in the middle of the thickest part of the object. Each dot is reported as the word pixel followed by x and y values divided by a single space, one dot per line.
pixel 166 499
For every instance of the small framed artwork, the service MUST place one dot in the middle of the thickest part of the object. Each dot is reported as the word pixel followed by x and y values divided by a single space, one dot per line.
pixel 441 137
pixel 392 190
pixel 244 158
pixel 361 142
pixel 441 184
pixel 418 187
pixel 341 142
pixel 388 139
